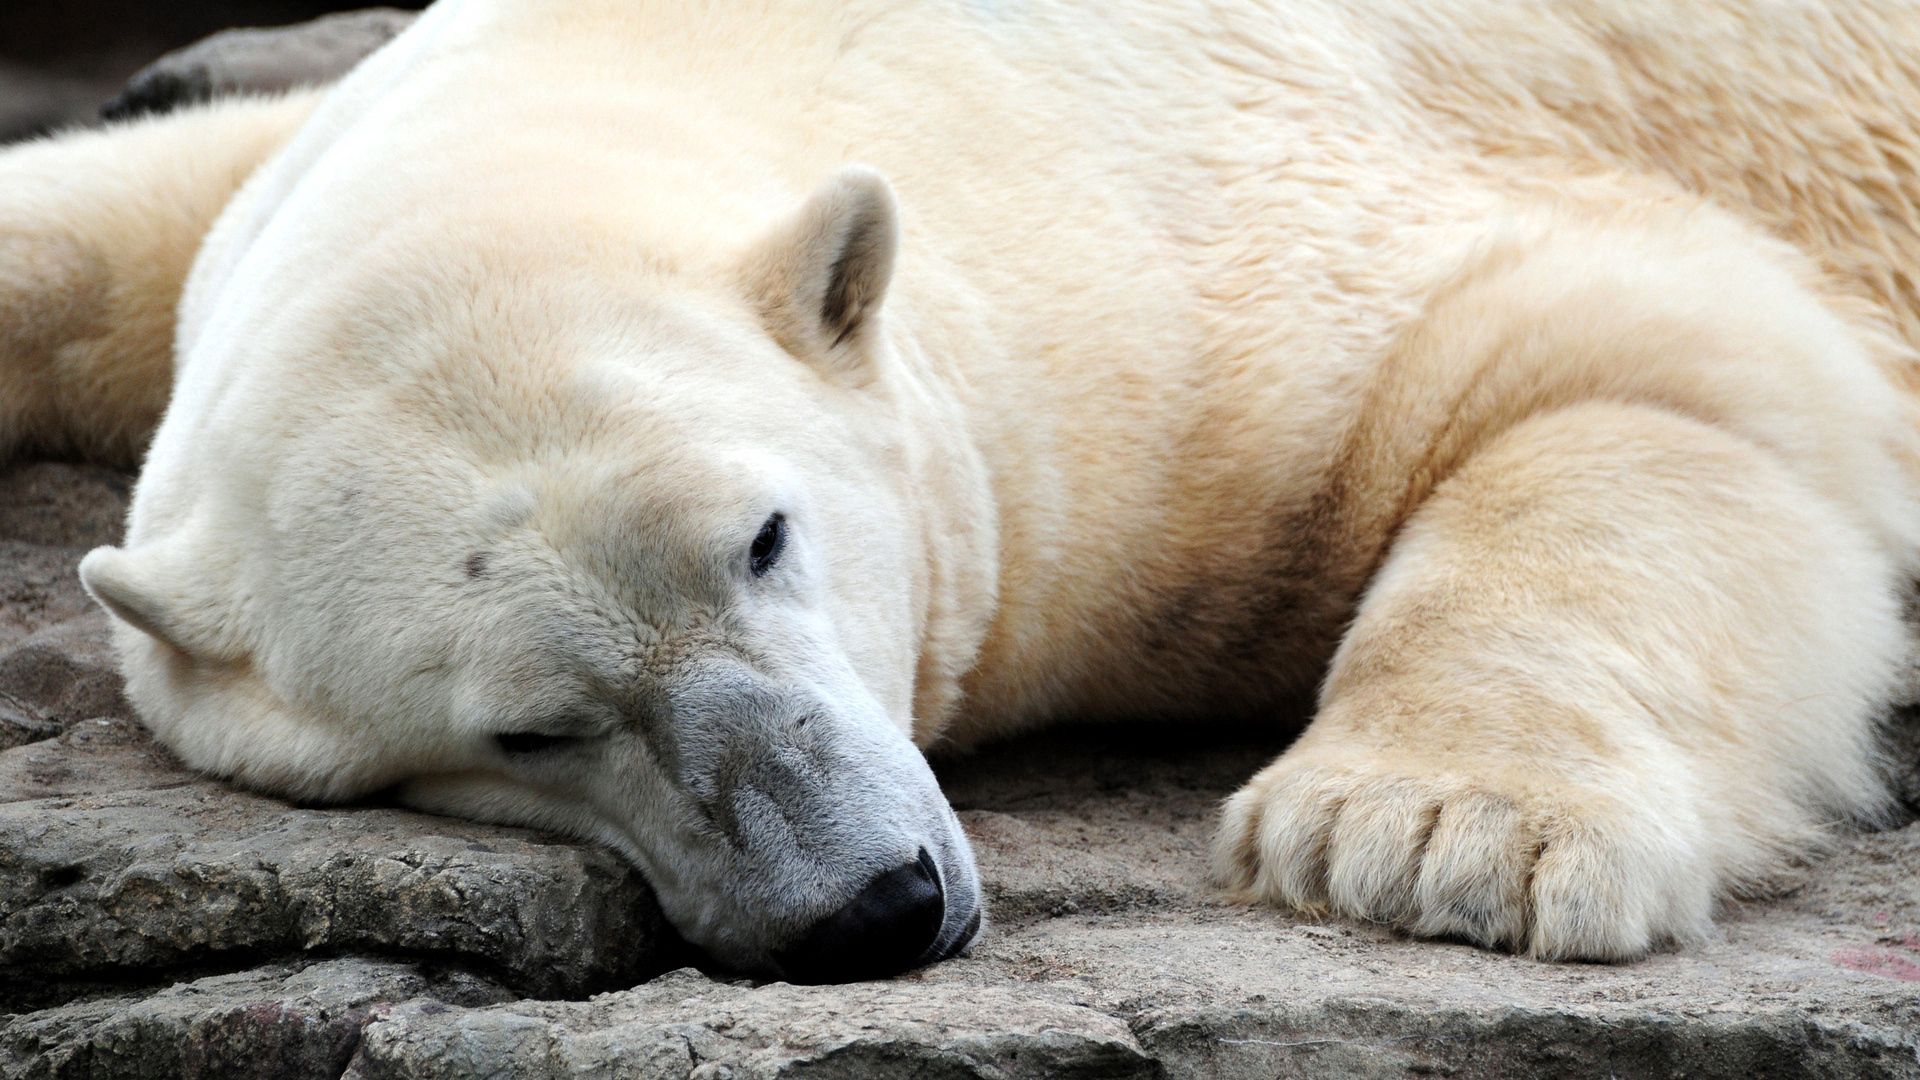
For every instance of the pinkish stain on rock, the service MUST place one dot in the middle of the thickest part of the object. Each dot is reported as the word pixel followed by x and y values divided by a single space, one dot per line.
pixel 1890 961
pixel 266 1012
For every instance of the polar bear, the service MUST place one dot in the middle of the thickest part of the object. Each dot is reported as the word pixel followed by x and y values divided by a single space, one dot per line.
pixel 662 422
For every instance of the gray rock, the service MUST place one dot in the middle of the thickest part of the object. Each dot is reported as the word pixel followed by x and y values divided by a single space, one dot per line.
pixel 280 1021
pixel 169 872
pixel 258 60
pixel 55 664
pixel 685 1025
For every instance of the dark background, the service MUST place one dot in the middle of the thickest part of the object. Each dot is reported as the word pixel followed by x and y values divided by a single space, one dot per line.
pixel 60 60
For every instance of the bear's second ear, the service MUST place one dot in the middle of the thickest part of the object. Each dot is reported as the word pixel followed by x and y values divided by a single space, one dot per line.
pixel 819 279
pixel 139 593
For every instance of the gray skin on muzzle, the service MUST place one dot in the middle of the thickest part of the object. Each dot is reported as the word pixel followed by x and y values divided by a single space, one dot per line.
pixel 843 814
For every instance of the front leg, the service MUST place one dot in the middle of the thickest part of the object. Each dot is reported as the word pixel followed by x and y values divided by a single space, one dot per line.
pixel 1616 665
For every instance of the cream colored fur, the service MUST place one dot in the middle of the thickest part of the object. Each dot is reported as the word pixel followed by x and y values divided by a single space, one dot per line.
pixel 97 232
pixel 1542 369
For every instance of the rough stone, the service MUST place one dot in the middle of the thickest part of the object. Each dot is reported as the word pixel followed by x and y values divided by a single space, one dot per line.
pixel 685 1025
pixel 277 1020
pixel 258 60
pixel 175 875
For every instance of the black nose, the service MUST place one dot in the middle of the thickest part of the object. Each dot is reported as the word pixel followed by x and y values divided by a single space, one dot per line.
pixel 885 930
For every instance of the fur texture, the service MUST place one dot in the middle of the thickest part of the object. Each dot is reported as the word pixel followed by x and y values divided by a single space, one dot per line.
pixel 1535 381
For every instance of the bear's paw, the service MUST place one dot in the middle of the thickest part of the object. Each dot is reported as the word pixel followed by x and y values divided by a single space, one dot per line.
pixel 1556 869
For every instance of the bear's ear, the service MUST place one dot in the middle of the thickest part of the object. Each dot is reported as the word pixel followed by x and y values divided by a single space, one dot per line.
pixel 819 279
pixel 139 592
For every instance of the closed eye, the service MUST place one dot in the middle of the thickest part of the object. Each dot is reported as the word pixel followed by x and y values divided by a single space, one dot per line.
pixel 531 742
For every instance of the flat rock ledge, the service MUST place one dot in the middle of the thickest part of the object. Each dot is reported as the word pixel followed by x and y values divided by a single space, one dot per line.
pixel 157 924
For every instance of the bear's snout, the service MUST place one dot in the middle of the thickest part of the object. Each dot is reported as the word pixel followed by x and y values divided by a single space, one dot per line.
pixel 889 927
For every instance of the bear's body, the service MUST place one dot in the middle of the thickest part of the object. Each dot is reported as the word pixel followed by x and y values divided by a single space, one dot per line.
pixel 1543 371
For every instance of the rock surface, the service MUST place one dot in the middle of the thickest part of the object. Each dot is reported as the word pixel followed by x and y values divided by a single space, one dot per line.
pixel 153 923
pixel 258 60
pixel 65 65
pixel 276 1020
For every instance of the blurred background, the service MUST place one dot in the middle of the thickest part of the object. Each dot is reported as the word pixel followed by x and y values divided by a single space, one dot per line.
pixel 60 60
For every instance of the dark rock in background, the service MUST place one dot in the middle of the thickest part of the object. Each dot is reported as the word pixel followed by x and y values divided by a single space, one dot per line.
pixel 258 61
pixel 61 61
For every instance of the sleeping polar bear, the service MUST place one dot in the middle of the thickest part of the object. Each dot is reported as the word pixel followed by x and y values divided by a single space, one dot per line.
pixel 658 421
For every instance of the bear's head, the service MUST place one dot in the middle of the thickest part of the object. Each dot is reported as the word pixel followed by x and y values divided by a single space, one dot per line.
pixel 669 552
